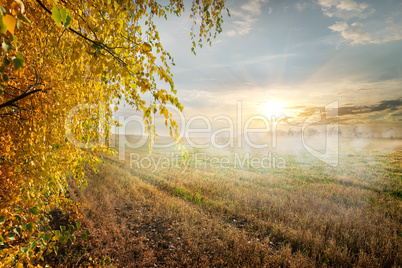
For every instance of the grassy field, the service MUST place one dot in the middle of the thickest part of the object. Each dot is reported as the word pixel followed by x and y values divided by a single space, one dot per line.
pixel 202 214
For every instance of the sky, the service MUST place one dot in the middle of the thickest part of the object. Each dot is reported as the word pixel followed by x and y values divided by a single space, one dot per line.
pixel 294 57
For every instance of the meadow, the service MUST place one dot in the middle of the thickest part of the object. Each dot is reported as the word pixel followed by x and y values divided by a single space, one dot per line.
pixel 215 209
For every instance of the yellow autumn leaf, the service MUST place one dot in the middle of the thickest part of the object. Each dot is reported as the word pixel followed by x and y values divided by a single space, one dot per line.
pixel 146 47
pixel 10 23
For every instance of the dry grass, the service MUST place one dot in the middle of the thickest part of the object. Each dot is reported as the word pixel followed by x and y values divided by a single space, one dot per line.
pixel 302 216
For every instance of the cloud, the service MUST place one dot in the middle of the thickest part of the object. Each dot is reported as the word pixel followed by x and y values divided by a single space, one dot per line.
pixel 246 17
pixel 355 34
pixel 352 32
pixel 384 112
pixel 345 9
pixel 253 7
pixel 394 106
pixel 386 105
pixel 392 31
pixel 301 6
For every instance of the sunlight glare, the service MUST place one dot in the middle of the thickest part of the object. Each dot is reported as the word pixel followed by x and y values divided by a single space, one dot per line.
pixel 272 108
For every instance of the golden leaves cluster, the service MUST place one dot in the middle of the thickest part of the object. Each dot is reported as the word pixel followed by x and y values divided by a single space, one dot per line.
pixel 55 56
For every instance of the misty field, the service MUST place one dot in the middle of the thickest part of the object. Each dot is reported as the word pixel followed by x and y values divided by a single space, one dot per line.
pixel 200 213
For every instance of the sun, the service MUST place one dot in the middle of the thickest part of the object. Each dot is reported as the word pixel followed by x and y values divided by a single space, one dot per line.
pixel 272 108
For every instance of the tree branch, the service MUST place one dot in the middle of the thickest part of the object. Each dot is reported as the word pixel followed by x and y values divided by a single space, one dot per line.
pixel 31 90
pixel 97 43
pixel 20 97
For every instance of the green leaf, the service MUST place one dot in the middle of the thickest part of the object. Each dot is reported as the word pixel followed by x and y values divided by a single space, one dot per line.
pixel 6 45
pixel 34 210
pixel 10 236
pixel 3 11
pixel 84 236
pixel 71 229
pixel 15 39
pixel 5 77
pixel 2 219
pixel 33 245
pixel 20 55
pixel 6 62
pixel 18 63
pixel 56 15
pixel 63 14
pixel 24 249
pixel 23 18
pixel 29 227
pixel 78 224
pixel 3 27
pixel 57 234
pixel 47 237
pixel 67 22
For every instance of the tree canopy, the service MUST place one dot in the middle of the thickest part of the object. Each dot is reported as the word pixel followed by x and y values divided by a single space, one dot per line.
pixel 55 56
